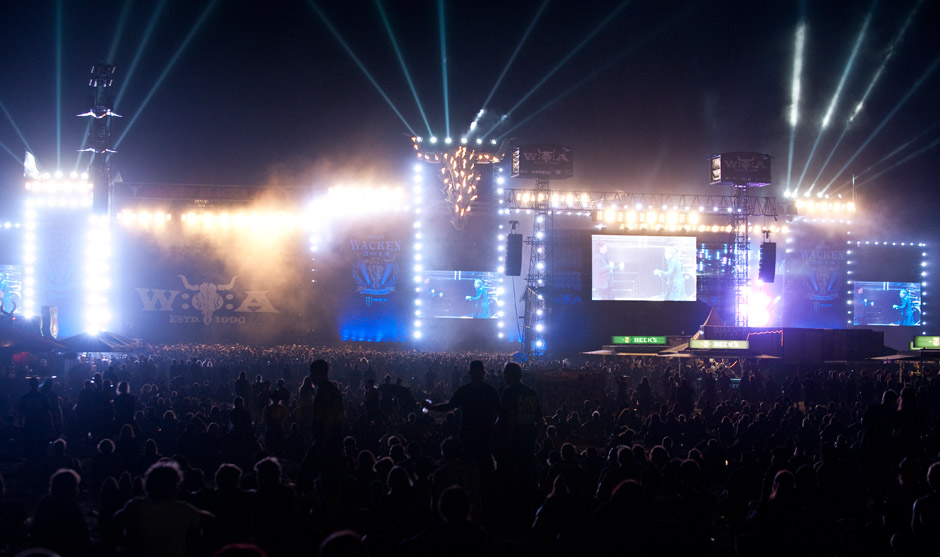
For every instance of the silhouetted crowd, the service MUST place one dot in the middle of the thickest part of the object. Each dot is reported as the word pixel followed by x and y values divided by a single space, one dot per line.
pixel 211 450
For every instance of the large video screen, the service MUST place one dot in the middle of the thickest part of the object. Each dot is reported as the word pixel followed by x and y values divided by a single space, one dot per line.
pixel 460 294
pixel 886 303
pixel 650 268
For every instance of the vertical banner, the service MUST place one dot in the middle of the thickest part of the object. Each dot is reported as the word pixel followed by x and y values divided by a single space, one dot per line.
pixel 815 280
pixel 370 265
pixel 60 267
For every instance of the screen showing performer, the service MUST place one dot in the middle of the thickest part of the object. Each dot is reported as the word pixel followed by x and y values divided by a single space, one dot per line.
pixel 651 268
pixel 460 294
pixel 886 303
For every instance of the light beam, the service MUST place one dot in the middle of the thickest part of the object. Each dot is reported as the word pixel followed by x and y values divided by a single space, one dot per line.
pixel 799 42
pixel 401 61
pixel 611 62
pixel 442 30
pixel 560 64
pixel 920 81
pixel 884 63
pixel 515 53
pixel 835 98
pixel 58 82
pixel 169 66
pixel 359 63
pixel 112 52
pixel 920 151
pixel 887 157
pixel 12 154
pixel 15 127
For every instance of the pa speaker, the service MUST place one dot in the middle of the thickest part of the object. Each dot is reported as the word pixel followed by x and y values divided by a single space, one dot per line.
pixel 768 261
pixel 513 255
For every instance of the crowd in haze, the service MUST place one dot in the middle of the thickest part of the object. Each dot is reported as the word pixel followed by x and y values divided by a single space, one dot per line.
pixel 234 450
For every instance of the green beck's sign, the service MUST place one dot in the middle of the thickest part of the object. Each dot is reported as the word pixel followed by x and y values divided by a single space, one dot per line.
pixel 698 344
pixel 926 342
pixel 638 340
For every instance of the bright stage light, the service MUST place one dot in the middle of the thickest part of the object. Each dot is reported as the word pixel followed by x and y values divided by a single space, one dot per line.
pixel 448 140
pixel 433 140
pixel 797 72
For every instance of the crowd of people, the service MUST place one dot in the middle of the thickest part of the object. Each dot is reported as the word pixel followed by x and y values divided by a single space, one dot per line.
pixel 294 450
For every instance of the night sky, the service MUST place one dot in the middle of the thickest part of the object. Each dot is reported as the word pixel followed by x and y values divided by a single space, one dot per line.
pixel 265 93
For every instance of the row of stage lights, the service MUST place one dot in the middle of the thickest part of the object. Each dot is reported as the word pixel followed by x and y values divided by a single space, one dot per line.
pixel 923 274
pixel 339 201
pixel 58 183
pixel 433 140
pixel 418 248
pixel 810 207
pixel 275 220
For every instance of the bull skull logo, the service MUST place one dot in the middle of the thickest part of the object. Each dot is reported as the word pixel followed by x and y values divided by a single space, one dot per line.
pixel 206 297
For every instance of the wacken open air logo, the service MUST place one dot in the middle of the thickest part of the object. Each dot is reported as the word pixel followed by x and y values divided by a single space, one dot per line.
pixel 824 273
pixel 375 270
pixel 206 298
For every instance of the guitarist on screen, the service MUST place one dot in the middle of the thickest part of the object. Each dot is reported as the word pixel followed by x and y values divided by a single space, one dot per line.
pixel 672 276
pixel 905 308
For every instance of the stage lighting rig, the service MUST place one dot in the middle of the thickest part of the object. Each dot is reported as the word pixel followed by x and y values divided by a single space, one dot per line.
pixel 459 175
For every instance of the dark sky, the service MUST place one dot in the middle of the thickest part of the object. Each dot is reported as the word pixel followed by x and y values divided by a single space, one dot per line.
pixel 644 91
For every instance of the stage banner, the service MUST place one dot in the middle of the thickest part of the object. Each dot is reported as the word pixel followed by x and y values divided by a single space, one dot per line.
pixel 815 281
pixel 60 269
pixel 367 287
pixel 224 288
pixel 543 161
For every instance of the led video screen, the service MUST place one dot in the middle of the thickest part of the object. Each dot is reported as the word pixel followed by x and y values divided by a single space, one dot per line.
pixel 460 294
pixel 643 268
pixel 886 303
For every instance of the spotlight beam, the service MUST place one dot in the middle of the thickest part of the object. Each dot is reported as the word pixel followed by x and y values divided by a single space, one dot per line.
pixel 166 70
pixel 119 32
pixel 15 127
pixel 871 85
pixel 891 49
pixel 887 157
pixel 443 37
pixel 12 154
pixel 59 8
pixel 560 64
pixel 913 155
pixel 144 41
pixel 848 69
pixel 601 69
pixel 112 53
pixel 401 61
pixel 835 97
pixel 359 63
pixel 515 53
pixel 920 81
pixel 799 42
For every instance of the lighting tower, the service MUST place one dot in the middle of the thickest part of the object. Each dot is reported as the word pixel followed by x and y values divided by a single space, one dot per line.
pixel 540 162
pixel 537 277
pixel 740 171
pixel 100 137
